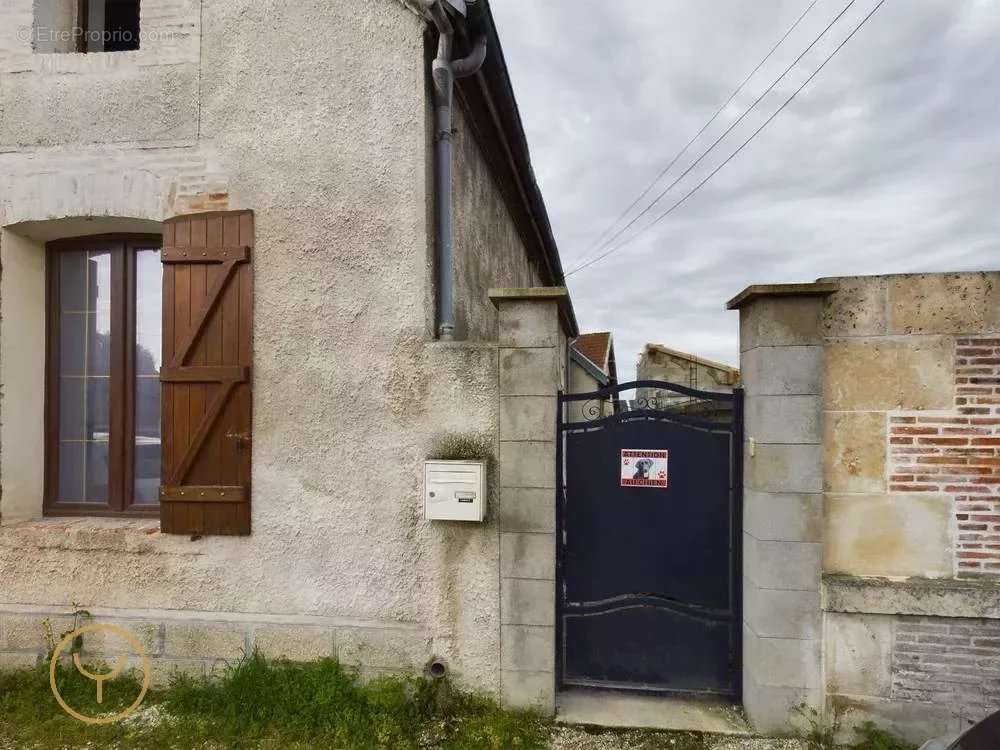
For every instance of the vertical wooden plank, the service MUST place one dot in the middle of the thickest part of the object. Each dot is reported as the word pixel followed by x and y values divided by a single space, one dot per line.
pixel 246 347
pixel 199 391
pixel 167 390
pixel 182 399
pixel 230 331
pixel 213 346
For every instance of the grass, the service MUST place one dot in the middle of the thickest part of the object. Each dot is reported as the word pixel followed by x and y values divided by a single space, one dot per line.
pixel 260 703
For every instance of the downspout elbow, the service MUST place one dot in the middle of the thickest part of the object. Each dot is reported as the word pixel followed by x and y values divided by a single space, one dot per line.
pixel 470 64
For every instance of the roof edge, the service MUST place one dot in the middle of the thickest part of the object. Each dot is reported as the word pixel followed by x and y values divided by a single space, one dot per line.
pixel 489 97
pixel 693 358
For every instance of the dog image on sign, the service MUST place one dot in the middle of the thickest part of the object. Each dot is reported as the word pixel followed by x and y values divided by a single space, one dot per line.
pixel 643 468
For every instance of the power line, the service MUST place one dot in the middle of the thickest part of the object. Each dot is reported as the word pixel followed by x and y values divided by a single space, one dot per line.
pixel 725 133
pixel 733 155
pixel 597 243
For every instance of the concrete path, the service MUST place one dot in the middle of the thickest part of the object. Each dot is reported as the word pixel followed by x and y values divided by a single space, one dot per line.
pixel 623 709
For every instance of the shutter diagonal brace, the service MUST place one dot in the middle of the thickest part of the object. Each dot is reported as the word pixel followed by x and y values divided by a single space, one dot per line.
pixel 227 377
pixel 205 427
pixel 201 318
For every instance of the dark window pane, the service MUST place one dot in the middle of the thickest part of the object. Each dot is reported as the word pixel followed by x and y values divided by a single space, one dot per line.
pixel 121 24
pixel 71 472
pixel 73 281
pixel 71 408
pixel 72 344
pixel 98 408
pixel 148 311
pixel 97 472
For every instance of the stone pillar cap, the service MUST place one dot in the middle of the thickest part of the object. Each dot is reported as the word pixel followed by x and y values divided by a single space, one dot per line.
pixel 516 294
pixel 756 291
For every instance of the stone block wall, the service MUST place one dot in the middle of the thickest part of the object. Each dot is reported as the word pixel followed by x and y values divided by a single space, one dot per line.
pixel 202 643
pixel 908 446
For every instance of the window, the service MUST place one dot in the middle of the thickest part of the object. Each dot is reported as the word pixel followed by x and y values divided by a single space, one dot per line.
pixel 86 25
pixel 109 25
pixel 103 364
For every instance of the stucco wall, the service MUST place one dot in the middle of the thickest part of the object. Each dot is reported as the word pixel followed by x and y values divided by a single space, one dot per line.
pixel 313 114
pixel 489 251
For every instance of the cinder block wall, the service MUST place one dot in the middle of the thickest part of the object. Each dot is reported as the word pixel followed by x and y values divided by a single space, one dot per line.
pixel 781 358
pixel 908 522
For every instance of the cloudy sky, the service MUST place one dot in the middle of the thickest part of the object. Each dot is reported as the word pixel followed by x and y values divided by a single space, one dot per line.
pixel 887 162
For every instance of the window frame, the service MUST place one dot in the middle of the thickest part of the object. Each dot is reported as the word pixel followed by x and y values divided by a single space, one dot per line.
pixel 122 386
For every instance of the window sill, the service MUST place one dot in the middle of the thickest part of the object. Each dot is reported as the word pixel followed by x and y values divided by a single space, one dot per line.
pixel 126 535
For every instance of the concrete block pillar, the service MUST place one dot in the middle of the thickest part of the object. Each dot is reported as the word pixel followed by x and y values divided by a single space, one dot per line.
pixel 781 359
pixel 531 345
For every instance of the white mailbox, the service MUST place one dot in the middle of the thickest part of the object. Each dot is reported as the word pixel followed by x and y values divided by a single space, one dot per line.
pixel 454 490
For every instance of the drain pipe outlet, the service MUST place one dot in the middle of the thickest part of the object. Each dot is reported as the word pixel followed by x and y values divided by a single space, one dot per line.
pixel 444 71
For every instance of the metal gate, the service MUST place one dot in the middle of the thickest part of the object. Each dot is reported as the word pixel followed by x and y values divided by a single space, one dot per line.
pixel 650 494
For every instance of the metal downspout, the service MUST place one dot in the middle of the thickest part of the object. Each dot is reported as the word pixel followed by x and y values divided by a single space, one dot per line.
pixel 444 71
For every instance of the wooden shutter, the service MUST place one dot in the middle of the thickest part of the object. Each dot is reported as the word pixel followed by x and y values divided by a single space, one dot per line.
pixel 206 374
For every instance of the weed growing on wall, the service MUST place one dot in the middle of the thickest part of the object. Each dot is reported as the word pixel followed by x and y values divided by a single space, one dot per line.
pixel 821 733
pixel 463 446
pixel 872 737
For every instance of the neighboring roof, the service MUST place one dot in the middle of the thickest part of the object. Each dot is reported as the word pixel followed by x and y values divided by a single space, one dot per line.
pixel 596 347
pixel 690 358
pixel 589 367
pixel 488 99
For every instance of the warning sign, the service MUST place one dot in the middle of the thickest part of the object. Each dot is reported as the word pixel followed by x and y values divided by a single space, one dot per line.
pixel 641 468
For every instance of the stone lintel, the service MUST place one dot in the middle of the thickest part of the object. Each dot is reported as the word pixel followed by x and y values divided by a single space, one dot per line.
pixel 928 597
pixel 756 291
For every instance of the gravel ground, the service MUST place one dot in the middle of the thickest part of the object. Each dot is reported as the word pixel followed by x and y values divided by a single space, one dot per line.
pixel 576 738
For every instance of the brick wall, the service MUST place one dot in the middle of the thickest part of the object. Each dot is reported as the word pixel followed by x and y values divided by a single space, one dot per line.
pixel 958 454
pixel 949 662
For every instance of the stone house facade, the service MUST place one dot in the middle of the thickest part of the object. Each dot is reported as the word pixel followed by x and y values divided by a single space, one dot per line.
pixel 659 362
pixel 300 137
